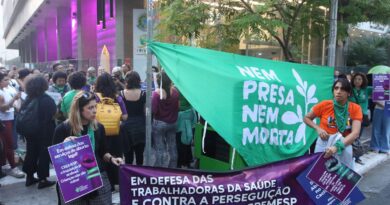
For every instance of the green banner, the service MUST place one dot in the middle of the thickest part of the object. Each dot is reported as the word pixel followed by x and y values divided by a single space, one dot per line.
pixel 256 105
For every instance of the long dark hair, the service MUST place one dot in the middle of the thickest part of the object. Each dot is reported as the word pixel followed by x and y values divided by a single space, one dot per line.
pixel 163 78
pixel 132 80
pixel 106 86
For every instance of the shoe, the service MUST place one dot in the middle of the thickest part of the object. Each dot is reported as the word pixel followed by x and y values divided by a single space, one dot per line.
pixel 15 172
pixel 31 180
pixel 45 183
pixel 359 161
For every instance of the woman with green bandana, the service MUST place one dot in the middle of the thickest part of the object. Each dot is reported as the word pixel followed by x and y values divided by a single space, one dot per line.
pixel 59 86
pixel 82 121
pixel 360 94
pixel 340 123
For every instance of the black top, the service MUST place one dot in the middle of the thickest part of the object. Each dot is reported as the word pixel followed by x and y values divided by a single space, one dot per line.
pixel 135 108
pixel 64 130
pixel 46 109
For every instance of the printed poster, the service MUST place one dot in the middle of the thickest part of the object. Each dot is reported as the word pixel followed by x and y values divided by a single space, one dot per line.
pixel 334 177
pixel 77 170
pixel 381 87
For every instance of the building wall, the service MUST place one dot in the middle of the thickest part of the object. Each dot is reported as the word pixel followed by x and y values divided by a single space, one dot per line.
pixel 17 13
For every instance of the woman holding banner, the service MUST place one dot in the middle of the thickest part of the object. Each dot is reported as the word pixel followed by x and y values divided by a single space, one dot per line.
pixel 340 123
pixel 82 121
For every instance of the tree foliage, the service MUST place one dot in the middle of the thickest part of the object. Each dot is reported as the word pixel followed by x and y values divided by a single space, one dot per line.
pixel 223 23
pixel 369 51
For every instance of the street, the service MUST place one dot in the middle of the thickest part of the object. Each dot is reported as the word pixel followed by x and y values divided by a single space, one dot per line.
pixel 376 185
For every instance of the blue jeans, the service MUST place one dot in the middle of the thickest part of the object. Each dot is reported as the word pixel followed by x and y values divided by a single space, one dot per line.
pixel 164 142
pixel 380 139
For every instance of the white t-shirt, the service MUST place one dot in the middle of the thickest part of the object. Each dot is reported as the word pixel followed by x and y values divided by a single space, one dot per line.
pixel 7 94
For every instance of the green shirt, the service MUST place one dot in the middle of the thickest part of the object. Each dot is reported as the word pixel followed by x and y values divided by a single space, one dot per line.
pixel 360 97
pixel 67 101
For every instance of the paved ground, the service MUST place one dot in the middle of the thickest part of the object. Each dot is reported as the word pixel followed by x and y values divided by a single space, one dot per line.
pixel 376 185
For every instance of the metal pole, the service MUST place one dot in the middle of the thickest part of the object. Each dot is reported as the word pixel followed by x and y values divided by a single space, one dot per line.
pixel 148 142
pixel 332 34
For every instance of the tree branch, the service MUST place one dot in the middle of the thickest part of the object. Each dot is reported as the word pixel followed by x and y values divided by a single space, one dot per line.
pixel 247 6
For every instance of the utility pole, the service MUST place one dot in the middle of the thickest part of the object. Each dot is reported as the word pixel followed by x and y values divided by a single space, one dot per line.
pixel 148 106
pixel 332 33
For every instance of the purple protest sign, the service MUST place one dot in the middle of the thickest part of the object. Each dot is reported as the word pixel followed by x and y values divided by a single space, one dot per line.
pixel 334 177
pixel 76 168
pixel 381 84
pixel 271 184
pixel 321 196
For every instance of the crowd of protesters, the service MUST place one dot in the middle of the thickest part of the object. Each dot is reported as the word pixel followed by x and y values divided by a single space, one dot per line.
pixel 172 126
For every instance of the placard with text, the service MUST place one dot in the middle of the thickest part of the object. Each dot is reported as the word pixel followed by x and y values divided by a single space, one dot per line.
pixel 76 168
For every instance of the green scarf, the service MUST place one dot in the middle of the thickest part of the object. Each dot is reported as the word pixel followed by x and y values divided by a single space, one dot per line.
pixel 59 89
pixel 91 135
pixel 341 115
pixel 357 95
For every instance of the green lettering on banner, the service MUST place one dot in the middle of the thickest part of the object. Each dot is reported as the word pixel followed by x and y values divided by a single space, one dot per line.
pixel 256 105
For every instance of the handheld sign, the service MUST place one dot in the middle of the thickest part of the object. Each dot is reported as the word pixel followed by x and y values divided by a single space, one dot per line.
pixel 334 177
pixel 76 168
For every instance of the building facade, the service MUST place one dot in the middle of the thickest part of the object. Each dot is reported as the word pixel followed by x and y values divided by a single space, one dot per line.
pixel 73 31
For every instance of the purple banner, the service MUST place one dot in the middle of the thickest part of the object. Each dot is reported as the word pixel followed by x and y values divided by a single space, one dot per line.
pixel 76 168
pixel 381 87
pixel 334 177
pixel 271 184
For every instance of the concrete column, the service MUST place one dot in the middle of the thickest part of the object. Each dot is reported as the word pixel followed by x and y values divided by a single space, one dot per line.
pixel 40 42
pixel 27 47
pixel 64 34
pixel 86 32
pixel 51 39
pixel 21 52
pixel 124 27
pixel 34 55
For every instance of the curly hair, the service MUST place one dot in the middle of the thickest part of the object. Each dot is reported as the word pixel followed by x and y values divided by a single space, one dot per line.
pixel 106 86
pixel 364 78
pixel 59 74
pixel 36 85
pixel 133 80
pixel 77 80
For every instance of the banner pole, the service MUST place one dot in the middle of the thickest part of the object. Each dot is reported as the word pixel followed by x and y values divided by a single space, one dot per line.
pixel 148 106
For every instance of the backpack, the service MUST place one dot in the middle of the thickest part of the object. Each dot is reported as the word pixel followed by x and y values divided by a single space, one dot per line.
pixel 27 121
pixel 109 114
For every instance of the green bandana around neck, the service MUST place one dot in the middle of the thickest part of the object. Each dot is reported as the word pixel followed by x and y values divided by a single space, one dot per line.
pixel 341 115
pixel 91 135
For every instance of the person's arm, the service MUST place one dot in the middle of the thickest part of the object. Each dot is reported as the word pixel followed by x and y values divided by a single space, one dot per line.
pixel 123 108
pixel 6 106
pixel 103 149
pixel 308 119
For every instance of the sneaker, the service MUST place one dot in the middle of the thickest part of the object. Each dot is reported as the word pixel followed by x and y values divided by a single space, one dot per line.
pixel 15 172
